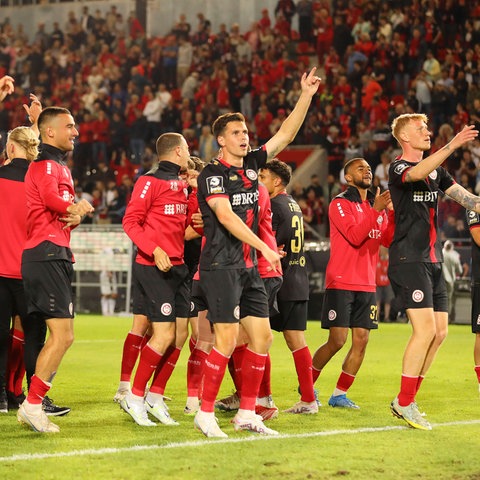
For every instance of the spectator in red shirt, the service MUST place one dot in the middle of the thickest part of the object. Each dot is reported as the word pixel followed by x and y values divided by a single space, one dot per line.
pixel 262 122
pixel 101 137
pixel 324 26
pixel 264 22
pixel 282 26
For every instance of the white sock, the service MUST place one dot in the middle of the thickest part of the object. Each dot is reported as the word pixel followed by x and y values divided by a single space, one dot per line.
pixel 136 398
pixel 245 413
pixel 337 392
pixel 153 398
pixel 123 385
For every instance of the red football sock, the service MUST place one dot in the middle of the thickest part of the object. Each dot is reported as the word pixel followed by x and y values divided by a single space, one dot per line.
pixel 131 351
pixel 303 365
pixel 315 374
pixel 477 371
pixel 420 379
pixel 235 367
pixel 213 373
pixel 37 391
pixel 164 370
pixel 195 371
pixel 345 381
pixel 16 365
pixel 191 343
pixel 149 359
pixel 408 389
pixel 253 367
pixel 265 389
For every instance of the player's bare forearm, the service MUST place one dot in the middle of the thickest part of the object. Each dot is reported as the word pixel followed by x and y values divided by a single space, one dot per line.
pixel 233 223
pixel 423 169
pixel 464 197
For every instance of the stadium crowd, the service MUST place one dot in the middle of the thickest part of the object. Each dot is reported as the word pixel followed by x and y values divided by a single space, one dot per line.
pixel 380 59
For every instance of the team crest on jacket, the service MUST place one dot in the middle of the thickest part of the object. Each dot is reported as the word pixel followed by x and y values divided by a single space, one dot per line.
pixel 215 185
pixel 400 168
pixel 332 315
pixel 433 175
pixel 236 312
pixel 251 174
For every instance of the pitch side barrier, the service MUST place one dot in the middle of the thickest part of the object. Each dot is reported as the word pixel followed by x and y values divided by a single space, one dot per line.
pixel 97 248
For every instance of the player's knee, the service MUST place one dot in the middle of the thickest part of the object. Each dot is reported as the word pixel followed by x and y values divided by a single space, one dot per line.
pixel 336 342
pixel 65 341
pixel 268 340
pixel 181 338
pixel 169 337
pixel 440 336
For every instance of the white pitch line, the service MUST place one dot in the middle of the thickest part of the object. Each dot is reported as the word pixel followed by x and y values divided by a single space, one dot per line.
pixel 205 442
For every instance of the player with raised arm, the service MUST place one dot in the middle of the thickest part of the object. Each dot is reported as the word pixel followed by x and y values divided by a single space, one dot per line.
pixel 415 268
pixel 228 199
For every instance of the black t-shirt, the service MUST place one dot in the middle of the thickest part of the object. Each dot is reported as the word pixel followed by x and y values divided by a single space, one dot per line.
pixel 287 224
pixel 222 250
pixel 416 236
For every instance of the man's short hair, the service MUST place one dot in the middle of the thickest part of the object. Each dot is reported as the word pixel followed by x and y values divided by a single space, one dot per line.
pixel 167 142
pixel 347 166
pixel 49 113
pixel 222 121
pixel 280 169
pixel 401 121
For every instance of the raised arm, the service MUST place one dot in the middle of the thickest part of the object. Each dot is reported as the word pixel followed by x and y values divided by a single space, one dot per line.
pixel 464 197
pixel 293 122
pixel 33 112
pixel 423 169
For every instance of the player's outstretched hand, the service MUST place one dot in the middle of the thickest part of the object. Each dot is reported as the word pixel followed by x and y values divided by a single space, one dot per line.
pixel 6 86
pixel 34 109
pixel 467 134
pixel 310 82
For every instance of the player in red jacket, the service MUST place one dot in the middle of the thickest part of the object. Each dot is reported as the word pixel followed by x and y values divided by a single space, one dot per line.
pixel 358 226
pixel 47 261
